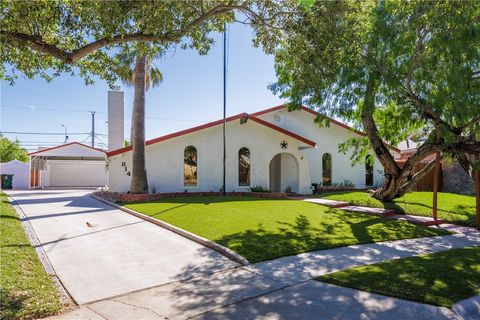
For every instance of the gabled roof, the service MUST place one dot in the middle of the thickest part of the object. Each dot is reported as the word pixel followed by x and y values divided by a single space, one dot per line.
pixel 315 113
pixel 63 146
pixel 215 123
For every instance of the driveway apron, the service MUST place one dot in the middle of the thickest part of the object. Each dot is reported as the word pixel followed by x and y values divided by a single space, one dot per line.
pixel 100 252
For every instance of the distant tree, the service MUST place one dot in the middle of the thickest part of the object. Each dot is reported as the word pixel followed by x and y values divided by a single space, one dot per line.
pixel 47 38
pixel 11 150
pixel 392 68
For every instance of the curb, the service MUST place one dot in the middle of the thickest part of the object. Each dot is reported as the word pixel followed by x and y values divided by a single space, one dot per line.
pixel 65 297
pixel 468 309
pixel 205 242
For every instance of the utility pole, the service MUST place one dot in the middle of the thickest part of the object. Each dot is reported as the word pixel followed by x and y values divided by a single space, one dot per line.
pixel 93 129
pixel 66 137
pixel 224 105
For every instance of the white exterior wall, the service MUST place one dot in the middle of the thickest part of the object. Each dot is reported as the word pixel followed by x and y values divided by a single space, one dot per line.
pixel 164 160
pixel 20 171
pixel 327 139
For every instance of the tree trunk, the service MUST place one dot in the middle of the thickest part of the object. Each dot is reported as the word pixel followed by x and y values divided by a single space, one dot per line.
pixel 388 191
pixel 397 180
pixel 396 186
pixel 139 175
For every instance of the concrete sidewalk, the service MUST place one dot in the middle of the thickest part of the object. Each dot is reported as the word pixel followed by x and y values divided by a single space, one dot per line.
pixel 281 289
pixel 305 266
pixel 100 252
pixel 242 294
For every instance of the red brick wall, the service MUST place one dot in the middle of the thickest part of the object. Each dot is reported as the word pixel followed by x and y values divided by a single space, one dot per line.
pixel 128 197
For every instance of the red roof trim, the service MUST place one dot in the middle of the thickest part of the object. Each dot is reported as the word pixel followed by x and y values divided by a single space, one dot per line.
pixel 177 134
pixel 284 131
pixel 315 113
pixel 209 125
pixel 65 145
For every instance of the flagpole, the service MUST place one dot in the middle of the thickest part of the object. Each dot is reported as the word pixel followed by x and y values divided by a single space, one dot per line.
pixel 224 105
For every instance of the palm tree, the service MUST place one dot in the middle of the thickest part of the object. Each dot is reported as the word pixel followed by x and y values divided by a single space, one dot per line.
pixel 140 72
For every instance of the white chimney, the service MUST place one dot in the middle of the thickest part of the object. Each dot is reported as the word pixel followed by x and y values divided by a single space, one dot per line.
pixel 115 119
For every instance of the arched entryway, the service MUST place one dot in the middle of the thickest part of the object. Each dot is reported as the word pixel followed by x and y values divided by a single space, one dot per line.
pixel 284 173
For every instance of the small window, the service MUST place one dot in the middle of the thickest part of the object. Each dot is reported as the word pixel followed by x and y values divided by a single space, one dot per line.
pixel 369 170
pixel 327 169
pixel 190 168
pixel 244 167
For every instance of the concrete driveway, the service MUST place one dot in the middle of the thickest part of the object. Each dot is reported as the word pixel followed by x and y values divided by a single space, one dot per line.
pixel 100 252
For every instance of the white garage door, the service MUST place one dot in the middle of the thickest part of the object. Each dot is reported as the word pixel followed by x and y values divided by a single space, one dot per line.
pixel 79 173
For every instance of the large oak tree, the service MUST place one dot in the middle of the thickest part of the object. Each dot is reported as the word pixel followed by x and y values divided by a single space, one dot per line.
pixel 392 68
pixel 50 37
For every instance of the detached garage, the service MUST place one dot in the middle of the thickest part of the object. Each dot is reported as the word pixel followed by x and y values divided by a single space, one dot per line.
pixel 69 165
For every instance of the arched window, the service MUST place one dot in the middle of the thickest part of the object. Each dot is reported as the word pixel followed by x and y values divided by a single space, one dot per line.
pixel 327 169
pixel 244 167
pixel 369 170
pixel 190 168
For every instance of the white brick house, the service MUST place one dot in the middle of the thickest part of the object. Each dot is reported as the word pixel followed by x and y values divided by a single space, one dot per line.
pixel 273 148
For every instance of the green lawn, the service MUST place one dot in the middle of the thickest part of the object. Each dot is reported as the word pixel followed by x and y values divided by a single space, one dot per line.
pixel 261 229
pixel 454 208
pixel 442 278
pixel 26 291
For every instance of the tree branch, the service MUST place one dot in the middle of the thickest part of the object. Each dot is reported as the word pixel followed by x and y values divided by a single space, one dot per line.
pixel 37 43
pixel 416 177
pixel 418 102
pixel 472 122
pixel 422 152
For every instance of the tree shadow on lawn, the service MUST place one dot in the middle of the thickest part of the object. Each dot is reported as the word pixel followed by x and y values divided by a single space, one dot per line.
pixel 442 278
pixel 301 236
pixel 16 304
pixel 11 304
pixel 461 214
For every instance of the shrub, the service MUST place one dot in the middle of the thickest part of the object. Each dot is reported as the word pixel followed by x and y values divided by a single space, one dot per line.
pixel 259 188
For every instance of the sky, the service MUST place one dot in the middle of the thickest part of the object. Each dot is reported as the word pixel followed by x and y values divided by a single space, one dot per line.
pixel 191 94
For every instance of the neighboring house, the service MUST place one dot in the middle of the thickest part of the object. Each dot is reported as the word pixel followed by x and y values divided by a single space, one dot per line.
pixel 454 178
pixel 20 171
pixel 68 165
pixel 273 148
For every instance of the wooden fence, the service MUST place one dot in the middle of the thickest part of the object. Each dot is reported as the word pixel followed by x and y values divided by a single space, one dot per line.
pixel 426 183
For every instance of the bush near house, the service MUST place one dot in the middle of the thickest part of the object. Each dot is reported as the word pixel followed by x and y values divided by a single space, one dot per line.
pixel 259 188
pixel 263 229
pixel 453 208
pixel 441 278
pixel 26 291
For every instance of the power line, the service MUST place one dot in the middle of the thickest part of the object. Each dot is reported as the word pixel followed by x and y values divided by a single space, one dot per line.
pixel 33 108
pixel 49 133
pixel 104 112
pixel 41 141
pixel 44 133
